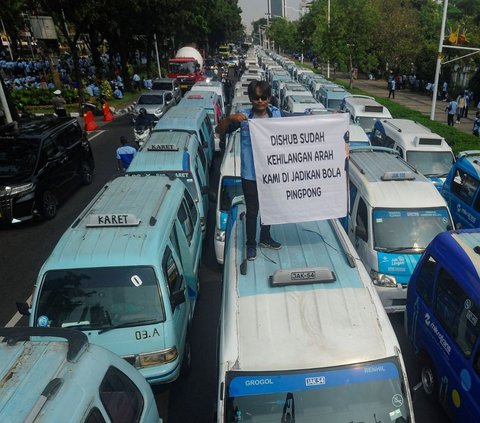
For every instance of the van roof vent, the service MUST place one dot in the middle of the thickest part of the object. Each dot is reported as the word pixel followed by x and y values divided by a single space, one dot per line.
pixel 429 141
pixel 301 276
pixel 374 109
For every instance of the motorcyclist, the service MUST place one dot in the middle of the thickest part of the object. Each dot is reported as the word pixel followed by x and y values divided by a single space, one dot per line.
pixel 143 119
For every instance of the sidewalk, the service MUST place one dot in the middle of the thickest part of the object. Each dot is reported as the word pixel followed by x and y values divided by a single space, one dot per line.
pixel 413 100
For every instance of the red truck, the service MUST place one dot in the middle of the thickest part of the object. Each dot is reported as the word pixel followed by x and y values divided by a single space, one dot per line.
pixel 186 67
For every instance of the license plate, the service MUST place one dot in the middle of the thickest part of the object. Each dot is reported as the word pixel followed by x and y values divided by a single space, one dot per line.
pixel 183 86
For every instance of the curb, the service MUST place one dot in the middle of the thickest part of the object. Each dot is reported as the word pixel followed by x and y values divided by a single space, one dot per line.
pixel 124 111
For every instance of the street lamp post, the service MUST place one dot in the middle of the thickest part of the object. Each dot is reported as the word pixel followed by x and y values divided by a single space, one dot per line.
pixel 439 61
pixel 328 30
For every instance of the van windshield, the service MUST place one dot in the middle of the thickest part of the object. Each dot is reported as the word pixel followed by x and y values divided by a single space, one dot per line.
pixel 367 392
pixel 334 104
pixel 18 157
pixel 431 163
pixel 366 123
pixel 162 86
pixel 99 298
pixel 409 229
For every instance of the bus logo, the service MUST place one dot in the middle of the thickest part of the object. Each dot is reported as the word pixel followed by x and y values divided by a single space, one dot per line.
pixel 315 381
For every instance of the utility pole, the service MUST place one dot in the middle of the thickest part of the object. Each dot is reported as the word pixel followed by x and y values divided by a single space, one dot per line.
pixel 439 61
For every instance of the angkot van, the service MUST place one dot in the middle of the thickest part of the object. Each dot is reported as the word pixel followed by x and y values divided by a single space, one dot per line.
pixel 126 274
pixel 426 151
pixel 461 189
pixel 303 334
pixel 364 111
pixel 179 154
pixel 47 379
pixel 190 119
pixel 394 213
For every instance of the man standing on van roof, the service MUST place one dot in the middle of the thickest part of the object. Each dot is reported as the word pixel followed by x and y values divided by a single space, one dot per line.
pixel 125 154
pixel 259 93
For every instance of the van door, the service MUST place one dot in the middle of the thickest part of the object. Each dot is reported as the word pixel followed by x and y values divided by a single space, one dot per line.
pixel 69 144
pixel 179 310
pixel 360 230
pixel 55 169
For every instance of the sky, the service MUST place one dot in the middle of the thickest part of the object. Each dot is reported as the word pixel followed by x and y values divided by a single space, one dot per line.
pixel 256 9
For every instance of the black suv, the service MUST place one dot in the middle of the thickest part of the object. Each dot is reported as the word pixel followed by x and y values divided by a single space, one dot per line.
pixel 41 162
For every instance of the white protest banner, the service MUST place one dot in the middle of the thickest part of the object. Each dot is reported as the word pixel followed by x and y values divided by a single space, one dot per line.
pixel 300 167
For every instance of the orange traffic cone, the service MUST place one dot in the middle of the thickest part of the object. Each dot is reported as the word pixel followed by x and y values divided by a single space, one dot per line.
pixel 107 114
pixel 90 124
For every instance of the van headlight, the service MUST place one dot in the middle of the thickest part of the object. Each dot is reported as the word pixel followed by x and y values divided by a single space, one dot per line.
pixel 219 235
pixel 381 279
pixel 157 358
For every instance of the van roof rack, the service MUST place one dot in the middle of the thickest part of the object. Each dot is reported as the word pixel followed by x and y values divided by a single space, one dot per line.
pixel 77 340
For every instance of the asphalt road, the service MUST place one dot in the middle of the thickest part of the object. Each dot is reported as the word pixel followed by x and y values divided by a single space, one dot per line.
pixel 23 249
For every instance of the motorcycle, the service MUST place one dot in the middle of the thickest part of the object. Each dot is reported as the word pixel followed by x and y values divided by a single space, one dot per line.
pixel 142 131
pixel 95 108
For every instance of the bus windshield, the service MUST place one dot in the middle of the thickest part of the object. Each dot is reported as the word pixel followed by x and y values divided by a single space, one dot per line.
pixel 99 298
pixel 431 163
pixel 366 123
pixel 367 392
pixel 411 229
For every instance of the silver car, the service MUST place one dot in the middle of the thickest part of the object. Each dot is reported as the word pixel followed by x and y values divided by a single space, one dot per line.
pixel 168 84
pixel 155 103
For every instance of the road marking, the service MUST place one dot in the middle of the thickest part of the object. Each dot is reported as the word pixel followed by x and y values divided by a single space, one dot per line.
pixel 96 134
pixel 17 316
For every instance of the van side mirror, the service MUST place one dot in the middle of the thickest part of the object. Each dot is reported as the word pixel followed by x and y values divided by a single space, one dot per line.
pixel 361 232
pixel 23 309
pixel 177 298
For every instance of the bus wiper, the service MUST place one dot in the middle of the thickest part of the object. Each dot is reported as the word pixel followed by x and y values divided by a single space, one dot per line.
pixel 128 324
pixel 435 175
pixel 288 415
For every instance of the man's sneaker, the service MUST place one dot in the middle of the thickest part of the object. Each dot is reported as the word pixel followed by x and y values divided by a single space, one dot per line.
pixel 251 253
pixel 270 243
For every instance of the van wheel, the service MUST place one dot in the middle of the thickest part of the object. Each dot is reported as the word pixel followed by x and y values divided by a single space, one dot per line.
pixel 429 378
pixel 86 173
pixel 187 358
pixel 48 205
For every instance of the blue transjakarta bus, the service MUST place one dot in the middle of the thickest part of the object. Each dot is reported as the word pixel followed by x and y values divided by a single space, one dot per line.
pixel 303 335
pixel 442 320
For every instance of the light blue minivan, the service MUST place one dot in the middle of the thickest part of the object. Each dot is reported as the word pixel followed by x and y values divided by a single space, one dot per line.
pixel 190 119
pixel 181 155
pixel 72 381
pixel 125 273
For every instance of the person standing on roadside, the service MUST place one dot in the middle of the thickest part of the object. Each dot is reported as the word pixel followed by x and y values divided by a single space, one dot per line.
pixel 259 93
pixel 460 106
pixel 391 88
pixel 451 110
pixel 476 124
pixel 59 104
pixel 125 154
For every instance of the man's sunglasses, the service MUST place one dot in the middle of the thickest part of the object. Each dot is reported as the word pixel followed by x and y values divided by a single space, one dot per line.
pixel 260 97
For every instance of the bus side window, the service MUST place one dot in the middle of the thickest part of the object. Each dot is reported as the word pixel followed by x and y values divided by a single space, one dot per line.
pixel 185 221
pixel 457 313
pixel 425 280
pixel 377 138
pixel 389 143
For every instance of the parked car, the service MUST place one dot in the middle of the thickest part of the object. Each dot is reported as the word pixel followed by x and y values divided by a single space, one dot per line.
pixel 155 103
pixel 41 162
pixel 168 84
